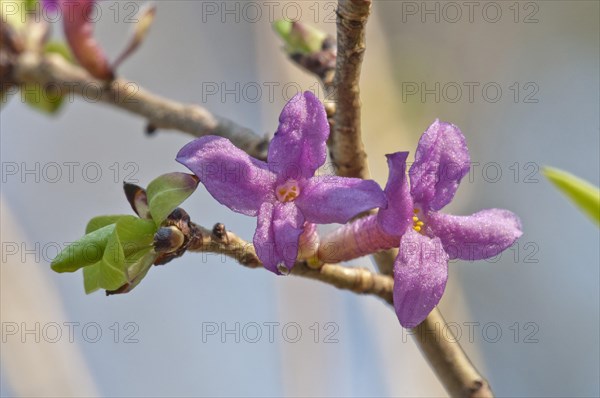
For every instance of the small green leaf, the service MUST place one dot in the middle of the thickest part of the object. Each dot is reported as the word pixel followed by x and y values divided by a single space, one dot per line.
pixel 299 37
pixel 138 270
pixel 61 48
pixel 135 234
pixel 111 274
pixel 167 192
pixel 102 221
pixel 47 99
pixel 582 193
pixel 138 266
pixel 91 280
pixel 87 250
pixel 283 28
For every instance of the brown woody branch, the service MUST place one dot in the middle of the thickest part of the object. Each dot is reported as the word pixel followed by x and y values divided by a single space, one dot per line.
pixel 347 149
pixel 358 280
pixel 445 355
pixel 159 112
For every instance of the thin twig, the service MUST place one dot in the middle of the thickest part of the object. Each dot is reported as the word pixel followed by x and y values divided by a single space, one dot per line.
pixel 347 149
pixel 53 70
pixel 358 280
pixel 226 243
pixel 448 360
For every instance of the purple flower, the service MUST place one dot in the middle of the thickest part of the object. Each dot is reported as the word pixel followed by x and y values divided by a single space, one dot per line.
pixel 79 32
pixel 428 238
pixel 283 192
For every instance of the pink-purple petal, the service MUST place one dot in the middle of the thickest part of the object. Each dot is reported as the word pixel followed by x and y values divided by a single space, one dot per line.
pixel 264 241
pixel 397 216
pixel 288 224
pixel 299 147
pixel 441 161
pixel 331 199
pixel 79 32
pixel 479 236
pixel 232 177
pixel 420 275
pixel 278 230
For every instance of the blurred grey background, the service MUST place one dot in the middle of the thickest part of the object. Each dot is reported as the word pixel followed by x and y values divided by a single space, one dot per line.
pixel 529 319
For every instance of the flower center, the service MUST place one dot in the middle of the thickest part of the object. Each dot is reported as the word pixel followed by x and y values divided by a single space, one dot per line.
pixel 288 191
pixel 417 224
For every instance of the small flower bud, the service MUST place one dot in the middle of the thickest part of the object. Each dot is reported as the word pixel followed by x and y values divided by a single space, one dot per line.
pixel 299 37
pixel 168 239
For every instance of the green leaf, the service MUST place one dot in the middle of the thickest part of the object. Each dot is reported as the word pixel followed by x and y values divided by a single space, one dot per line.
pixel 167 192
pixel 47 99
pixel 131 240
pixel 111 274
pixel 102 221
pixel 138 266
pixel 61 48
pixel 138 270
pixel 299 37
pixel 87 250
pixel 585 195
pixel 91 280
pixel 135 234
pixel 283 28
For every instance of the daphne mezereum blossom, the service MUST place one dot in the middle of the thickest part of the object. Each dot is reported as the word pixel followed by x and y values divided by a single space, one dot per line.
pixel 282 192
pixel 79 32
pixel 426 237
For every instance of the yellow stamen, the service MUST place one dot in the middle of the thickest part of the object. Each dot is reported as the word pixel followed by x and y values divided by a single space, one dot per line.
pixel 288 191
pixel 418 225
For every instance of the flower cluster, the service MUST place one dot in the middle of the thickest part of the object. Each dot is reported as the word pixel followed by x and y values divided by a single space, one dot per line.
pixel 288 199
pixel 283 192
